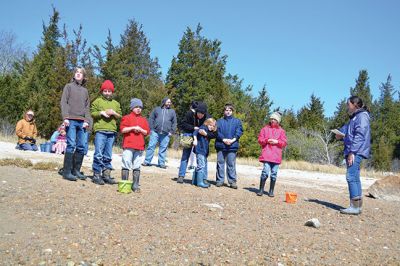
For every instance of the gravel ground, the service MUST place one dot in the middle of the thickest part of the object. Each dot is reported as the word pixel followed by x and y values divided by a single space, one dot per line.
pixel 46 220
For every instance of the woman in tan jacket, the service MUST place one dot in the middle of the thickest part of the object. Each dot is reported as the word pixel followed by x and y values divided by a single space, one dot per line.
pixel 26 131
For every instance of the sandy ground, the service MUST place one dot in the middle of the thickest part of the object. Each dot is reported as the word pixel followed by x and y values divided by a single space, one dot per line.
pixel 49 221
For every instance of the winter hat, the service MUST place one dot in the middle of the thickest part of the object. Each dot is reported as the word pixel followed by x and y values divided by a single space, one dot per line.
pixel 30 112
pixel 107 85
pixel 277 116
pixel 194 104
pixel 135 102
pixel 201 108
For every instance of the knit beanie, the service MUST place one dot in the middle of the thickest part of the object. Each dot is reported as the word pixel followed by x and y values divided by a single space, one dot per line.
pixel 135 102
pixel 277 116
pixel 107 85
pixel 201 108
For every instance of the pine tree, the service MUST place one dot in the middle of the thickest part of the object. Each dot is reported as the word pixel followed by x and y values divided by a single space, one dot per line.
pixel 362 89
pixel 133 71
pixel 340 116
pixel 289 120
pixel 44 78
pixel 197 73
pixel 312 116
pixel 260 109
pixel 385 124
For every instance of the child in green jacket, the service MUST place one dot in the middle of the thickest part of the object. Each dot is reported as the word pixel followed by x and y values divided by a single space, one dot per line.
pixel 105 112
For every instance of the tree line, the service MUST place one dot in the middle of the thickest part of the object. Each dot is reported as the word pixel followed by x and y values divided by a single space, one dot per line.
pixel 197 72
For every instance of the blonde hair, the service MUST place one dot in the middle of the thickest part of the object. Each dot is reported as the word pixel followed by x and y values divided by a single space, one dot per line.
pixel 211 121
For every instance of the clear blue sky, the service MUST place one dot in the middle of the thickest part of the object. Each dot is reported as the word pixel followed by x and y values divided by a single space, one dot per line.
pixel 295 48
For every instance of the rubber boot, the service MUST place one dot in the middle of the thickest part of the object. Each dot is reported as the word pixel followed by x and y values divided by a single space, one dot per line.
pixel 67 168
pixel 107 177
pixel 354 208
pixel 262 185
pixel 136 178
pixel 125 174
pixel 78 159
pixel 271 188
pixel 194 179
pixel 97 179
pixel 200 180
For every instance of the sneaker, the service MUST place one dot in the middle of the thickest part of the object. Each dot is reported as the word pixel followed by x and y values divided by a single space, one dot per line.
pixel 180 180
pixel 234 186
pixel 219 184
pixel 146 164
pixel 162 166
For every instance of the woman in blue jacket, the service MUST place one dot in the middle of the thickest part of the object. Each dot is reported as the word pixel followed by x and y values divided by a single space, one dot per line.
pixel 357 146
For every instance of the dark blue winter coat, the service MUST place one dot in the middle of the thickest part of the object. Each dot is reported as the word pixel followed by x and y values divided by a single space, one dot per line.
pixel 357 139
pixel 203 142
pixel 228 127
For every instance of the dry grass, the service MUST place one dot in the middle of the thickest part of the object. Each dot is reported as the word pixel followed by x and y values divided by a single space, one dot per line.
pixel 16 162
pixel 47 166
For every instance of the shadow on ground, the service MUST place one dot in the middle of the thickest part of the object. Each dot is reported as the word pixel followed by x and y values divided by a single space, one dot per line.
pixel 326 204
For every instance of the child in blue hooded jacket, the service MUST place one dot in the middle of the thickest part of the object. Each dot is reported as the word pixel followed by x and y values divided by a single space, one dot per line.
pixel 201 149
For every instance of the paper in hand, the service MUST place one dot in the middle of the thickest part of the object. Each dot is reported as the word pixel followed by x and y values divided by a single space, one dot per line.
pixel 337 132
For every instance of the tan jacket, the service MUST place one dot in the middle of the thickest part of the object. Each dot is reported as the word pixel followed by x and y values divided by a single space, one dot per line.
pixel 25 129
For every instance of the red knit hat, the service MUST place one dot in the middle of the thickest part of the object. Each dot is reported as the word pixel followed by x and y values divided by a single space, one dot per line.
pixel 107 84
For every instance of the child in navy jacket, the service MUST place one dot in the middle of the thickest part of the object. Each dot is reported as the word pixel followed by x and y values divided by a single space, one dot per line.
pixel 201 144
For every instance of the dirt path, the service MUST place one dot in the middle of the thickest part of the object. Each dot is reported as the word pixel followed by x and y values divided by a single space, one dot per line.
pixel 49 221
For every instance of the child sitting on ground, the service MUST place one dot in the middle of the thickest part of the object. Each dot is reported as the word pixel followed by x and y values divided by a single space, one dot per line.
pixel 61 141
pixel 201 149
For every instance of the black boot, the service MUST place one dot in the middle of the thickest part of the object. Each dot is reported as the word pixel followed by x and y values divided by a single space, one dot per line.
pixel 262 185
pixel 78 160
pixel 125 174
pixel 271 188
pixel 97 179
pixel 67 168
pixel 136 177
pixel 107 177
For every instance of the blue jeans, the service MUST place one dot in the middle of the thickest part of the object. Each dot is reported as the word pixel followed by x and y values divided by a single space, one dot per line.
pixel 353 177
pixel 184 161
pixel 270 169
pixel 103 143
pixel 230 158
pixel 28 147
pixel 163 139
pixel 76 137
pixel 201 168
pixel 87 138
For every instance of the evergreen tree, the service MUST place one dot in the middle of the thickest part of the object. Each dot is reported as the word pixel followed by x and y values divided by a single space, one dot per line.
pixel 312 116
pixel 45 77
pixel 340 116
pixel 362 89
pixel 289 120
pixel 197 73
pixel 385 124
pixel 133 71
pixel 260 110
